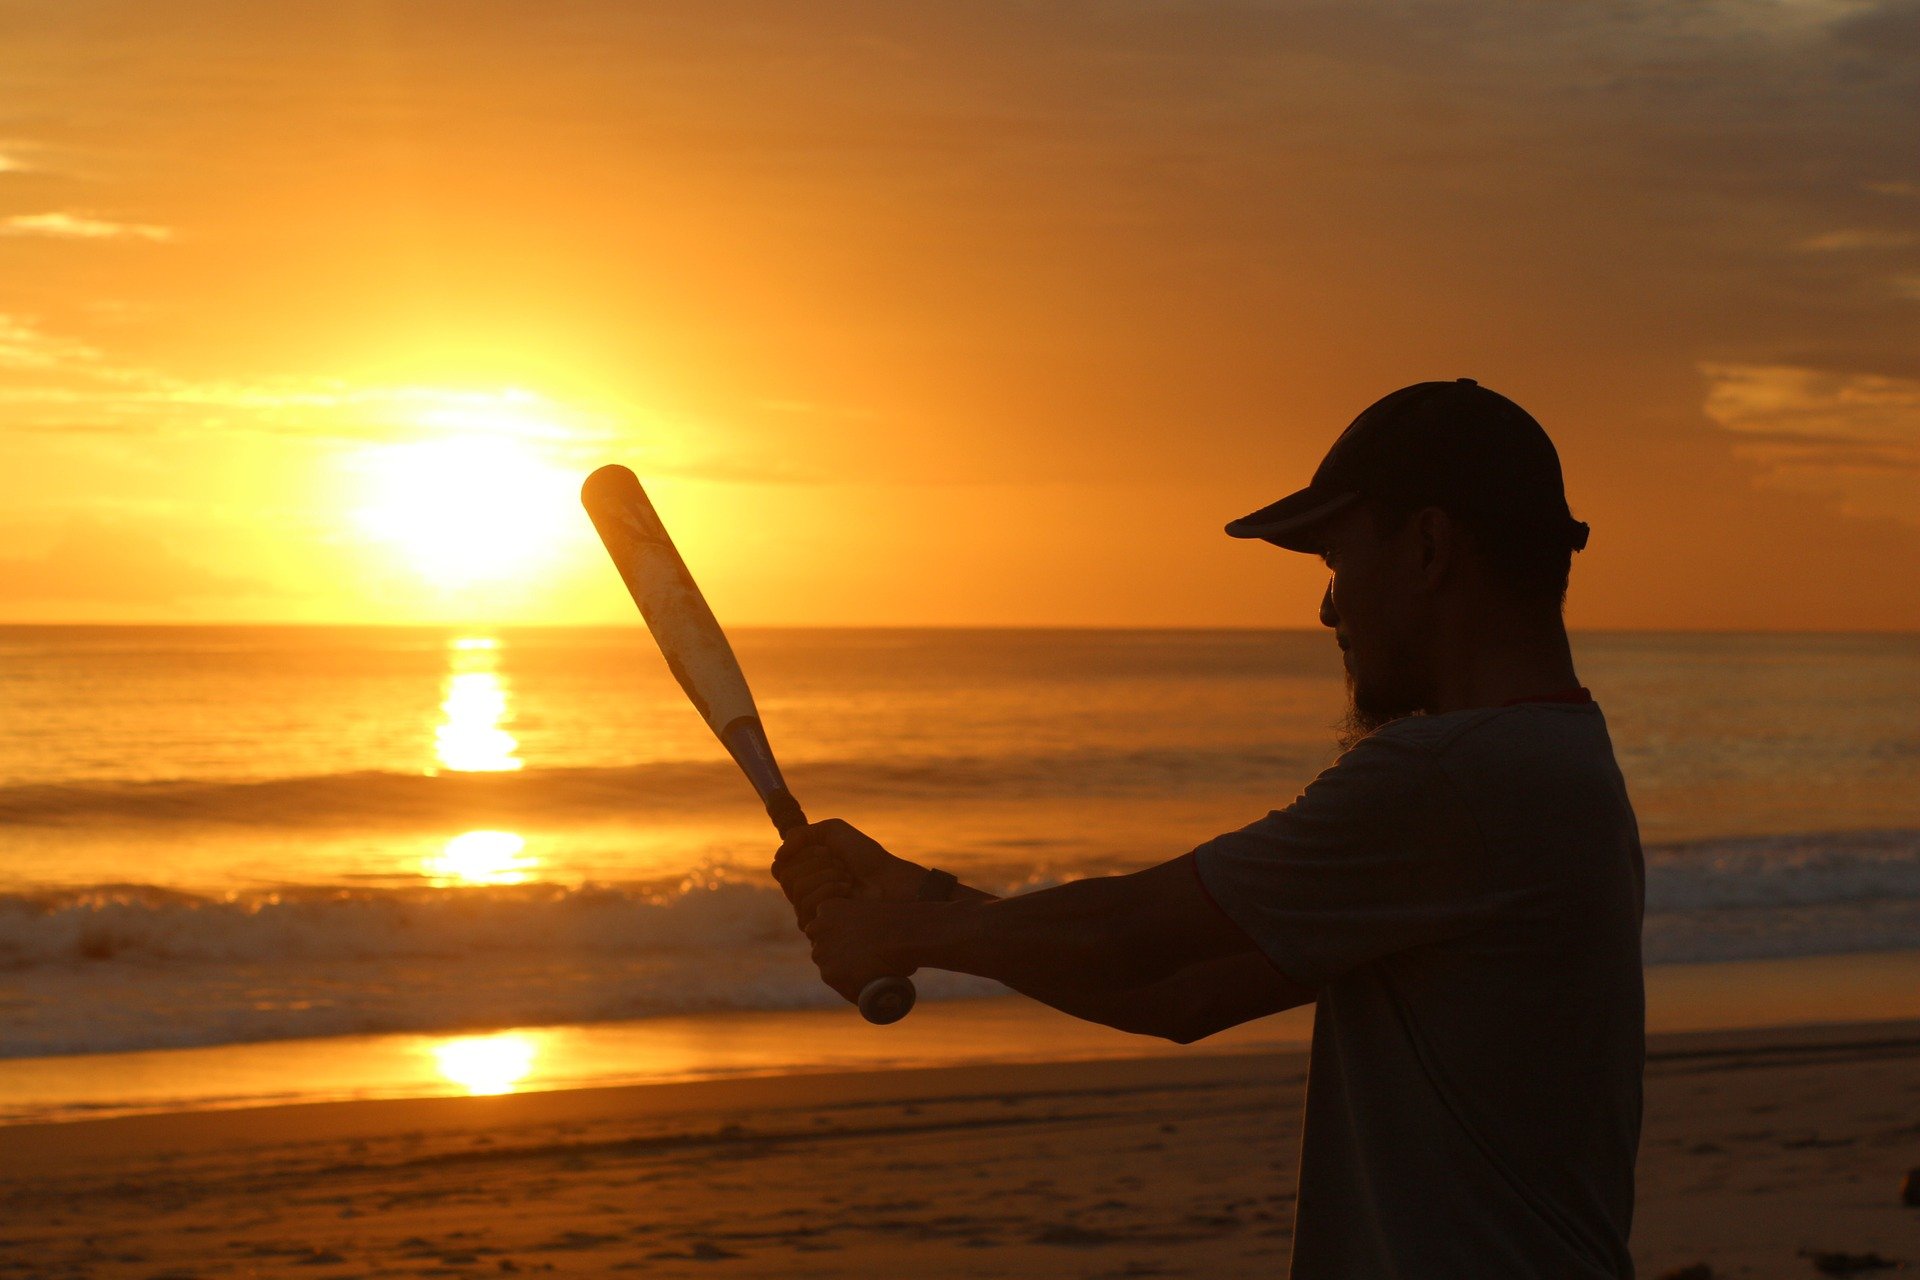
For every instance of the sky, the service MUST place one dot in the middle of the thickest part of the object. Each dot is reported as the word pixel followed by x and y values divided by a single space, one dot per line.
pixel 942 313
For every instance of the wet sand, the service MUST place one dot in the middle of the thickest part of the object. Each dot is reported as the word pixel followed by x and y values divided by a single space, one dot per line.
pixel 1718 996
pixel 1759 1145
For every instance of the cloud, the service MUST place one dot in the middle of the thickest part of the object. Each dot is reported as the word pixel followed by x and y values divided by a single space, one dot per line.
pixel 23 345
pixel 810 409
pixel 1857 238
pixel 68 386
pixel 96 561
pixel 1851 437
pixel 72 226
pixel 23 155
pixel 1889 30
pixel 754 470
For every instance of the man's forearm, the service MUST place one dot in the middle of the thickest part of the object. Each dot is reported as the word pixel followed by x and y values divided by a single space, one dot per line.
pixel 1191 1004
pixel 967 893
pixel 1186 1005
pixel 1096 935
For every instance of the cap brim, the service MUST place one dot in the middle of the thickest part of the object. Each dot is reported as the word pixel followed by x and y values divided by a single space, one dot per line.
pixel 1293 521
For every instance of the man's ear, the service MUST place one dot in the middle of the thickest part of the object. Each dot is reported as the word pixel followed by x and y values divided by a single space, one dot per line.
pixel 1438 537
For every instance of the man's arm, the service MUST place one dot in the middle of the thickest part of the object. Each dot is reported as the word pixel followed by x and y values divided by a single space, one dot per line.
pixel 1146 952
pixel 833 859
pixel 1189 1005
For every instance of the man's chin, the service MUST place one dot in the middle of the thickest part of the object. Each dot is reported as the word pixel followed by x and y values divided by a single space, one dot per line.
pixel 1358 726
pixel 1365 714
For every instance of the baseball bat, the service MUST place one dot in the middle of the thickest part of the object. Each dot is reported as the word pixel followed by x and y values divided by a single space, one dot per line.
pixel 700 658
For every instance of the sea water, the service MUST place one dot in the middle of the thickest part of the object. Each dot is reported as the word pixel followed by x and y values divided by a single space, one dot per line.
pixel 227 835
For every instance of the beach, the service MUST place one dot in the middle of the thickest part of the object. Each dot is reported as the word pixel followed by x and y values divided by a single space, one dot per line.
pixel 414 952
pixel 1762 1148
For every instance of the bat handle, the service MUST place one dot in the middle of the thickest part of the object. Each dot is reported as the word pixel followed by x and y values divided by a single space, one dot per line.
pixel 884 1000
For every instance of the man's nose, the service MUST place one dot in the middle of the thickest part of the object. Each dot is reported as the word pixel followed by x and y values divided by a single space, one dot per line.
pixel 1328 617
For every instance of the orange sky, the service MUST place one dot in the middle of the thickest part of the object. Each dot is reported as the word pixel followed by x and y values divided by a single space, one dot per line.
pixel 938 313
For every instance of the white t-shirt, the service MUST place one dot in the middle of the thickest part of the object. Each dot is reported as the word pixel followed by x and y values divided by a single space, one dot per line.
pixel 1464 892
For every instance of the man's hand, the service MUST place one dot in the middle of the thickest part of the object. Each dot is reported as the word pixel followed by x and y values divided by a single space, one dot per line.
pixel 856 941
pixel 833 859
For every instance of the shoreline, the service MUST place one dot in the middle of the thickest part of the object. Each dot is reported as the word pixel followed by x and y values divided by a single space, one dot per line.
pixel 80 1139
pixel 1772 996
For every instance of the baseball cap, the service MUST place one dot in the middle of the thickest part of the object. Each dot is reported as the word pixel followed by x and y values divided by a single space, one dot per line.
pixel 1454 445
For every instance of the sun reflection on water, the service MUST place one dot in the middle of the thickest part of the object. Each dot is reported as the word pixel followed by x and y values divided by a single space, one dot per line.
pixel 487 1064
pixel 481 857
pixel 475 707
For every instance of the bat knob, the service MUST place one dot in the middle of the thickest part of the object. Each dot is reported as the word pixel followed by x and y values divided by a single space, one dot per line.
pixel 886 1000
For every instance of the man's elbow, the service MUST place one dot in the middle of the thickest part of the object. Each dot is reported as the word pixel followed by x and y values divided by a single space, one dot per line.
pixel 1163 1031
pixel 1179 1027
pixel 1186 1025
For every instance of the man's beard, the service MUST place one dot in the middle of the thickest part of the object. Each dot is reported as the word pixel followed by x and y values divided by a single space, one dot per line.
pixel 1365 715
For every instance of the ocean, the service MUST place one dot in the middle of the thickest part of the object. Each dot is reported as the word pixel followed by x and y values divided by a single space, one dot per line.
pixel 230 835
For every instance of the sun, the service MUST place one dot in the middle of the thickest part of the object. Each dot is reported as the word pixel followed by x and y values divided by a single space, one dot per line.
pixel 478 507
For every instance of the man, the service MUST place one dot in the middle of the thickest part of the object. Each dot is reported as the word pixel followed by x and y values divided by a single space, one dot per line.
pixel 1459 893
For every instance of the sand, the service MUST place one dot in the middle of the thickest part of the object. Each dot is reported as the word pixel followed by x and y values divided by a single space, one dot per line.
pixel 1759 1146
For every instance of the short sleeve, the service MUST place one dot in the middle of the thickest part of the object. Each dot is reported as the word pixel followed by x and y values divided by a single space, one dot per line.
pixel 1378 855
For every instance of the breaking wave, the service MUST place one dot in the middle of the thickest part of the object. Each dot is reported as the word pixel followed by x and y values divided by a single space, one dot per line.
pixel 118 967
pixel 122 967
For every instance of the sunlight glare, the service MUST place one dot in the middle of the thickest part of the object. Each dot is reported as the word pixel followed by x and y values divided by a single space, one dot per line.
pixel 485 1065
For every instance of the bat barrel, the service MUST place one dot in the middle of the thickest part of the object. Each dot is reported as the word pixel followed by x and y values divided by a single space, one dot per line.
pixel 700 658
pixel 746 741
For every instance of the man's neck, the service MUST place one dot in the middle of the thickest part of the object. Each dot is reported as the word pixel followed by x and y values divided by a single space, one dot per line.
pixel 1513 660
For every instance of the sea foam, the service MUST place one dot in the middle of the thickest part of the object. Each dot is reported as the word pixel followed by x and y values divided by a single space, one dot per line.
pixel 115 967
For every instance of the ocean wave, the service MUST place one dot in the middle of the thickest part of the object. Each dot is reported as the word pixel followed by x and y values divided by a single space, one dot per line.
pixel 577 794
pixel 1796 869
pixel 118 967
pixel 122 967
pixel 1780 896
pixel 143 923
pixel 721 910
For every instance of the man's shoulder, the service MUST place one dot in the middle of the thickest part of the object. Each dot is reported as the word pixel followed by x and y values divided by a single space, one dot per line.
pixel 1427 763
pixel 1517 727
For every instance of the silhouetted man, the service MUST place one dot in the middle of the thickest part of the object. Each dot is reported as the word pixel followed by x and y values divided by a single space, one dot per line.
pixel 1459 893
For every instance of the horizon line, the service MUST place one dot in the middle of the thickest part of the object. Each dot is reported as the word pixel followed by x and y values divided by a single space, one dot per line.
pixel 636 623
